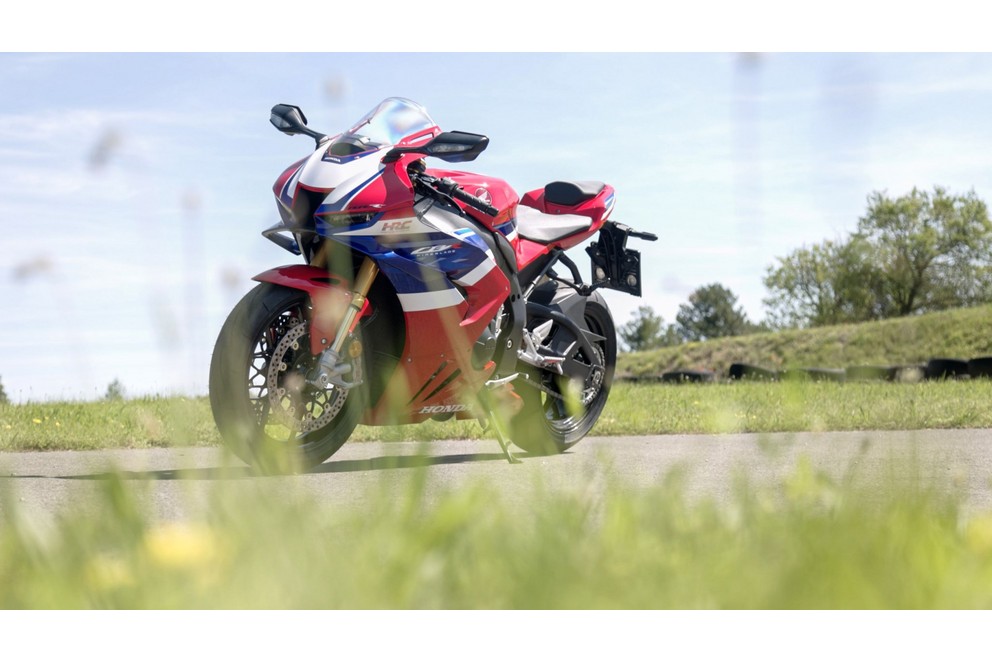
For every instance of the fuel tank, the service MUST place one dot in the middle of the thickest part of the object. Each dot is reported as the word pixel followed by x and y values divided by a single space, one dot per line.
pixel 495 191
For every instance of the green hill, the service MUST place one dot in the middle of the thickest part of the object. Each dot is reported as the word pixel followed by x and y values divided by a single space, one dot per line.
pixel 963 333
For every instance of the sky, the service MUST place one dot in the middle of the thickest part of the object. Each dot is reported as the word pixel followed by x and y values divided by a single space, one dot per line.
pixel 134 186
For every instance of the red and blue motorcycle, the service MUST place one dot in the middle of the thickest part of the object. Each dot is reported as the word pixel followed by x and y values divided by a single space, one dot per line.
pixel 425 294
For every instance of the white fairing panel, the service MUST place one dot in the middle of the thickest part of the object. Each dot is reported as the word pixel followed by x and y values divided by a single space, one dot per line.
pixel 322 172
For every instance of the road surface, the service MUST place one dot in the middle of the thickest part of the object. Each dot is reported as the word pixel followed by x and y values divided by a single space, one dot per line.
pixel 45 483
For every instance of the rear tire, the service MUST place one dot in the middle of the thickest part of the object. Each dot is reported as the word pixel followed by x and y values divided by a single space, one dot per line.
pixel 298 426
pixel 550 425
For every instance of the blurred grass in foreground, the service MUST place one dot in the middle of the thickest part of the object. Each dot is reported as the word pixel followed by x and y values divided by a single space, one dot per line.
pixel 808 542
pixel 632 409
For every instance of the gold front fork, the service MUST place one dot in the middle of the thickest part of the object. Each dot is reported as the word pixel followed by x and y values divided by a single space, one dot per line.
pixel 366 274
pixel 330 370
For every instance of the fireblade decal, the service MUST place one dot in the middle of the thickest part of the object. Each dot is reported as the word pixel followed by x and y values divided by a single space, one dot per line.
pixel 434 250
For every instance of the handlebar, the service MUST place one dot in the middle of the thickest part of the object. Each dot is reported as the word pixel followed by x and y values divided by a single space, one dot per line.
pixel 450 188
pixel 472 200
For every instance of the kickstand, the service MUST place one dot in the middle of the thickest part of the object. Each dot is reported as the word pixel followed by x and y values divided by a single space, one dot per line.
pixel 497 425
pixel 502 438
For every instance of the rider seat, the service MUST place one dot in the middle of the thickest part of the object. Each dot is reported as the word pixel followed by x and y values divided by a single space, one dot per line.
pixel 547 228
pixel 543 215
pixel 571 193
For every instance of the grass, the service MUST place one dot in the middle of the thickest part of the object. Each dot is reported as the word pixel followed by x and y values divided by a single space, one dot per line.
pixel 962 333
pixel 139 423
pixel 807 542
pixel 633 409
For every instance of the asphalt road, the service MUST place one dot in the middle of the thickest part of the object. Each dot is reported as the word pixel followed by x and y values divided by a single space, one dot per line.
pixel 45 483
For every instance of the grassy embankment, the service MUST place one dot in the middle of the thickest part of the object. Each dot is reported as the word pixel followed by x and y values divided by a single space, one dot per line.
pixel 965 333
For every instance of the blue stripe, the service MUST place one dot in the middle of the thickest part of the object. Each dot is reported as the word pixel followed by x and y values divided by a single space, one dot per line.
pixel 342 203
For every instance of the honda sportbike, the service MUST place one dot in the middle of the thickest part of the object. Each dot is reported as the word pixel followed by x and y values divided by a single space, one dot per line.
pixel 425 294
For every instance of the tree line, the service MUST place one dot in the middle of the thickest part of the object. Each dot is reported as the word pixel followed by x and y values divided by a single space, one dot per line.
pixel 921 252
pixel 712 311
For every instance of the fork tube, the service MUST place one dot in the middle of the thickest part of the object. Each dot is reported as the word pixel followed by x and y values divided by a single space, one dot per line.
pixel 366 274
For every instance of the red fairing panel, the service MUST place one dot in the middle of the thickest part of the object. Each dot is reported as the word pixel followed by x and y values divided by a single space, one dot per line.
pixel 329 294
pixel 435 373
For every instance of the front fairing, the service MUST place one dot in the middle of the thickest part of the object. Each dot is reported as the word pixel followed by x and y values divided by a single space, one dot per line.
pixel 345 174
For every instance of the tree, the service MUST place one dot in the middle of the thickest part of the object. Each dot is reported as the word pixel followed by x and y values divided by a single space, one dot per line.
pixel 829 283
pixel 115 391
pixel 646 330
pixel 933 249
pixel 711 312
pixel 913 254
pixel 3 396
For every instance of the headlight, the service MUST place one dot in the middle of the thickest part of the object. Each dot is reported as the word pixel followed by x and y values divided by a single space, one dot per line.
pixel 345 219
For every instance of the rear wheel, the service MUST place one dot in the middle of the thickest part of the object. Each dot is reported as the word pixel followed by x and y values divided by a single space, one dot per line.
pixel 267 411
pixel 561 411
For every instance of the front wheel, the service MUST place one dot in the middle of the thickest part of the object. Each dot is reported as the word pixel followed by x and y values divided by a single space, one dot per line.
pixel 266 409
pixel 559 412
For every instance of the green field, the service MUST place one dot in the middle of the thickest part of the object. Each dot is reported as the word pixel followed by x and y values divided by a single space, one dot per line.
pixel 633 409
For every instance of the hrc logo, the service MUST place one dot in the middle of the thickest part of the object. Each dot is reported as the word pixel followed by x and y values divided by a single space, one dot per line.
pixel 395 225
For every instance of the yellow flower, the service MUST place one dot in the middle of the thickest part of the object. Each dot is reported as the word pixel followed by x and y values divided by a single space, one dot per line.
pixel 181 546
pixel 36 421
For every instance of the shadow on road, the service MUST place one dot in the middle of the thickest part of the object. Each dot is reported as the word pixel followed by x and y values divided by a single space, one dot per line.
pixel 244 472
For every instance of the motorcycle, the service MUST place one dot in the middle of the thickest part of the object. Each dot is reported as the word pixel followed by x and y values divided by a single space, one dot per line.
pixel 425 294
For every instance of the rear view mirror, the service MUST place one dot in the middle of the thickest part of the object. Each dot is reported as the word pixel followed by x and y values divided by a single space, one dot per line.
pixel 288 119
pixel 450 146
pixel 457 146
pixel 291 121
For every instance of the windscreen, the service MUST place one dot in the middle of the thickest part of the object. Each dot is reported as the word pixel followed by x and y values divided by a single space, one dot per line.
pixel 390 122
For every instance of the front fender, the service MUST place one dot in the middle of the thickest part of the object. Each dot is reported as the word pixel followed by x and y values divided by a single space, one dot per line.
pixel 329 294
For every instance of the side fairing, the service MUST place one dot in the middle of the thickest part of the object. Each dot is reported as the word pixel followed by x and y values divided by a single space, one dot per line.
pixel 449 288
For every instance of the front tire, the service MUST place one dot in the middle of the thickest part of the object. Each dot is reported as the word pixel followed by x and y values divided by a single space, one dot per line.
pixel 556 418
pixel 267 413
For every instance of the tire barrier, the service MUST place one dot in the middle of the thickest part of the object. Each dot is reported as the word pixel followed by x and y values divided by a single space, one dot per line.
pixel 935 369
pixel 688 376
pixel 743 371
pixel 946 368
pixel 980 368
